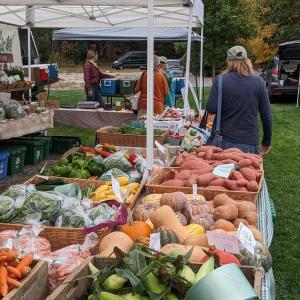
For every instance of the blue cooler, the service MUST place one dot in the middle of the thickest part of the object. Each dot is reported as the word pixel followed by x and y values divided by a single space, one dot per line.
pixel 4 155
pixel 53 71
pixel 109 87
pixel 179 85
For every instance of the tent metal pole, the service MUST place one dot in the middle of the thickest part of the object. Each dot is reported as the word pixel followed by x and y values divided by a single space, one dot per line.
pixel 150 83
pixel 201 70
pixel 188 60
pixel 298 94
pixel 29 56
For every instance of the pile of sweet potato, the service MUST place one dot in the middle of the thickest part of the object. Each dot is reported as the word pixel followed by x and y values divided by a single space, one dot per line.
pixel 197 170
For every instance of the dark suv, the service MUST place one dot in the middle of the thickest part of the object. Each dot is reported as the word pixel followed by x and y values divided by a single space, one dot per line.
pixel 282 73
pixel 134 59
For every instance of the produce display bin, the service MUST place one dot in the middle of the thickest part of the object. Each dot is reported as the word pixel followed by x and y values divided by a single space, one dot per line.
pixel 127 86
pixel 110 87
pixel 155 187
pixel 61 144
pixel 77 285
pixel 34 149
pixel 16 159
pixel 4 155
pixel 34 286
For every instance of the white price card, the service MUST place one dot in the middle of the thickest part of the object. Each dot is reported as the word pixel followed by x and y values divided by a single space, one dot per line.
pixel 246 238
pixel 160 147
pixel 116 188
pixel 223 241
pixel 223 170
pixel 155 241
pixel 195 191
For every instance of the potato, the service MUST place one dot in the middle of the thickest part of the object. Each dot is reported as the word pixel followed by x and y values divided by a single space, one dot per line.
pixel 238 150
pixel 255 162
pixel 173 182
pixel 222 199
pixel 200 154
pixel 208 154
pixel 248 174
pixel 227 212
pixel 223 224
pixel 207 169
pixel 252 186
pixel 179 160
pixel 217 188
pixel 242 189
pixel 205 179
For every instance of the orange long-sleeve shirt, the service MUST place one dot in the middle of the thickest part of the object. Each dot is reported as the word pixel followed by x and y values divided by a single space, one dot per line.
pixel 160 91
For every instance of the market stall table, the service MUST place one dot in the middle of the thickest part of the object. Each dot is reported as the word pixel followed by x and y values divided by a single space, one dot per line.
pixel 32 123
pixel 92 118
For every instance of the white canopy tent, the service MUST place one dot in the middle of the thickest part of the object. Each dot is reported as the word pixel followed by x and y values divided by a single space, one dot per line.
pixel 113 13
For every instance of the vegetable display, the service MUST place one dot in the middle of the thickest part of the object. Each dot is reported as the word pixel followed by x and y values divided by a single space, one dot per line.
pixel 127 129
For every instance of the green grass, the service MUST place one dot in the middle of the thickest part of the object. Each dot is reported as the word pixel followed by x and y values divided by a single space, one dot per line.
pixel 282 167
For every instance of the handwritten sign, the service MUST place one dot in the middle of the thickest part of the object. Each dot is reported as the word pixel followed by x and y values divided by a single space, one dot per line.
pixel 155 241
pixel 116 188
pixel 246 238
pixel 160 147
pixel 223 241
pixel 223 170
pixel 195 191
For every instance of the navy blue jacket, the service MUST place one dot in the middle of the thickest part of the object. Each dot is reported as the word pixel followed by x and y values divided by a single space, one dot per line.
pixel 243 99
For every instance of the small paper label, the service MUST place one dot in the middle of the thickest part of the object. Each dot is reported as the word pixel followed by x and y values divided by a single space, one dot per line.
pixel 223 241
pixel 195 191
pixel 116 188
pixel 223 170
pixel 155 241
pixel 160 147
pixel 246 238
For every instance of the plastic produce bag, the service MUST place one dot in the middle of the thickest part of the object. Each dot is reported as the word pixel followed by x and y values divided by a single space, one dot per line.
pixel 29 241
pixel 2 114
pixel 103 213
pixel 194 138
pixel 7 209
pixel 70 189
pixel 135 176
pixel 6 238
pixel 14 110
pixel 115 172
pixel 117 160
pixel 62 263
pixel 19 192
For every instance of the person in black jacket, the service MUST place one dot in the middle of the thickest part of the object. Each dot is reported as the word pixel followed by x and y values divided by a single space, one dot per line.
pixel 244 95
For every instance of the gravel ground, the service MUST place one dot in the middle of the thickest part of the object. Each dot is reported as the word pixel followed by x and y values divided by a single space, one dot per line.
pixel 29 171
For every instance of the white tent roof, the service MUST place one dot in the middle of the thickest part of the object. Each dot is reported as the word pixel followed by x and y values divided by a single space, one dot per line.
pixel 99 13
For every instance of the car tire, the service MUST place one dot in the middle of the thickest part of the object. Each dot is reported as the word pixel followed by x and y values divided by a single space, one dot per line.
pixel 121 67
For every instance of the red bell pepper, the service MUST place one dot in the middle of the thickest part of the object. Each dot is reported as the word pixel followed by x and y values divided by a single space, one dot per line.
pixel 103 153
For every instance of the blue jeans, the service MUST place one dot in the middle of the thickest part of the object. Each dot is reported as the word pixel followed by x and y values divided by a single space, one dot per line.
pixel 96 95
pixel 244 147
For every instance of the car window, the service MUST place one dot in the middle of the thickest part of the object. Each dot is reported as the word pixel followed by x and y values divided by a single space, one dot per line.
pixel 174 63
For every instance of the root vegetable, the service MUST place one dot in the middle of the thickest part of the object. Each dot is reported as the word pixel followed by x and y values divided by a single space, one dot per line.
pixel 252 186
pixel 197 240
pixel 231 184
pixel 205 179
pixel 242 182
pixel 251 217
pixel 221 199
pixel 224 224
pixel 236 175
pixel 196 164
pixel 237 222
pixel 173 182
pixel 245 162
pixel 177 200
pixel 217 182
pixel 249 174
pixel 227 212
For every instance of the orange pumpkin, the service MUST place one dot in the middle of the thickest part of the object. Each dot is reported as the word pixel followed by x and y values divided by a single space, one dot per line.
pixel 136 230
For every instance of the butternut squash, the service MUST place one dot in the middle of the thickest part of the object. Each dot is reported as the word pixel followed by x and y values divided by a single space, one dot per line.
pixel 166 217
pixel 112 240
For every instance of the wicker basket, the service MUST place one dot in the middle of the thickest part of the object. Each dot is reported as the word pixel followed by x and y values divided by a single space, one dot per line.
pixel 129 140
pixel 3 86
pixel 155 187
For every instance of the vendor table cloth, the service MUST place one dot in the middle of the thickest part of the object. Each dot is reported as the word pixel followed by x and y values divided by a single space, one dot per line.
pixel 92 118
pixel 32 123
pixel 265 225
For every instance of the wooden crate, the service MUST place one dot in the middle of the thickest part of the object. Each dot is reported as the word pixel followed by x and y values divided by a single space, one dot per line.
pixel 73 289
pixel 34 286
pixel 155 187
pixel 104 135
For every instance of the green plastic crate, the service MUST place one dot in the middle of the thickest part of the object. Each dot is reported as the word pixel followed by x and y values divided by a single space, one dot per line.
pixel 127 86
pixel 48 144
pixel 34 149
pixel 16 159
pixel 61 144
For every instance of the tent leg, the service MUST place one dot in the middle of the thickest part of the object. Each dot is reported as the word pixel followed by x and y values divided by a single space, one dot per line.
pixel 201 70
pixel 188 60
pixel 150 83
pixel 51 63
pixel 298 94
pixel 29 57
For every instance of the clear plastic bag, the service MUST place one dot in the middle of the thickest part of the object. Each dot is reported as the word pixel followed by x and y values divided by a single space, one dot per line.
pixel 115 172
pixel 29 241
pixel 103 213
pixel 2 114
pixel 117 160
pixel 7 209
pixel 62 263
pixel 14 110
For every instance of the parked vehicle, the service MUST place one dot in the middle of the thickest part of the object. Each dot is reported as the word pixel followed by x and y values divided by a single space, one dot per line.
pixel 133 59
pixel 176 67
pixel 282 73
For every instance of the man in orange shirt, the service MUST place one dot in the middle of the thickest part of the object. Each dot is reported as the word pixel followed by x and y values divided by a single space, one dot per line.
pixel 160 90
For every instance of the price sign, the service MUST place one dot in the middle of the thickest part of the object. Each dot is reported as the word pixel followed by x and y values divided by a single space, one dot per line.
pixel 160 147
pixel 155 241
pixel 116 188
pixel 246 238
pixel 223 170
pixel 195 191
pixel 223 241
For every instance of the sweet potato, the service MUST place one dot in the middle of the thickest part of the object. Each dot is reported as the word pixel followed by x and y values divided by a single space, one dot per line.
pixel 179 160
pixel 237 222
pixel 208 154
pixel 221 199
pixel 233 150
pixel 183 175
pixel 248 173
pixel 215 164
pixel 195 164
pixel 205 179
pixel 217 182
pixel 231 185
pixel 242 182
pixel 242 189
pixel 252 186
pixel 217 188
pixel 217 156
pixel 227 212
pixel 185 155
pixel 255 162
pixel 202 171
pixel 234 156
pixel 173 182
pixel 192 180
pixel 224 224
pixel 251 217
pixel 228 161
pixel 200 154
pixel 244 207
pixel 236 175
pixel 245 162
